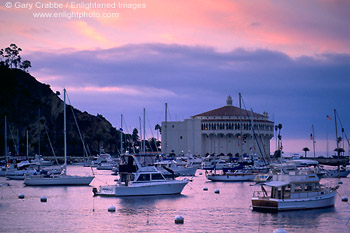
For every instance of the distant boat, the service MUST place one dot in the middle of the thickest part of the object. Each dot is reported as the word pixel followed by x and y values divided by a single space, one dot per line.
pixel 342 172
pixel 211 162
pixel 293 191
pixel 62 179
pixel 232 175
pixel 136 180
pixel 178 170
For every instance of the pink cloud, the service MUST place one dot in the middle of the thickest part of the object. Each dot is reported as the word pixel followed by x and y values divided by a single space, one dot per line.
pixel 297 28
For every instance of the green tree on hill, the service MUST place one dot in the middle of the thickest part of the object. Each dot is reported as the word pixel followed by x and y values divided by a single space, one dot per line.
pixel 10 58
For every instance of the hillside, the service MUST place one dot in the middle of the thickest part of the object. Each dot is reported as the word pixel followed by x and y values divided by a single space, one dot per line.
pixel 21 96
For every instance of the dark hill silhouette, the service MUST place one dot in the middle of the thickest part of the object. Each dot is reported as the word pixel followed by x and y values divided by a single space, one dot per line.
pixel 21 96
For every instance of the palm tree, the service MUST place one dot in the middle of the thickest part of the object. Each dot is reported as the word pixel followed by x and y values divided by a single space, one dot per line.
pixel 159 129
pixel 305 149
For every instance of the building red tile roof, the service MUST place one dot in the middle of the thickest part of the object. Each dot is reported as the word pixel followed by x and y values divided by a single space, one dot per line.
pixel 227 111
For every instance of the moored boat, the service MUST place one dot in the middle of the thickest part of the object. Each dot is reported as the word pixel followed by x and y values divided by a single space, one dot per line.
pixel 235 175
pixel 61 179
pixel 293 191
pixel 136 180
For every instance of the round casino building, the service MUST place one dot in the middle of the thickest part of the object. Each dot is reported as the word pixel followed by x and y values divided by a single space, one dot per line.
pixel 225 131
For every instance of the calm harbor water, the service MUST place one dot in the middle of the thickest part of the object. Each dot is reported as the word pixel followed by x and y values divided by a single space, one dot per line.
pixel 74 209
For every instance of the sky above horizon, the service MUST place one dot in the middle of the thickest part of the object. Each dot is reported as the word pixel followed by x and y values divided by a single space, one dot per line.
pixel 288 58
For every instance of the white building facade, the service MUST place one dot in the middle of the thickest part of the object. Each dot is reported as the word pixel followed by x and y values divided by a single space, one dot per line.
pixel 225 131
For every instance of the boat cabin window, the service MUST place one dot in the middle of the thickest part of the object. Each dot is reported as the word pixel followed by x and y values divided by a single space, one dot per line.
pixel 157 176
pixel 144 177
pixel 299 188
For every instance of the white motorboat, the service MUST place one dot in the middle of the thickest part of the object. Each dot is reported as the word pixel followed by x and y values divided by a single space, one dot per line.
pixel 175 169
pixel 136 180
pixel 213 163
pixel 234 175
pixel 62 179
pixel 293 191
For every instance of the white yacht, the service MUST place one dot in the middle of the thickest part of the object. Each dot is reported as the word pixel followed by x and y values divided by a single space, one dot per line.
pixel 293 191
pixel 136 180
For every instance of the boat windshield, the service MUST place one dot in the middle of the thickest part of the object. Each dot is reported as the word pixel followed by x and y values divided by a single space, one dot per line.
pixel 157 176
pixel 144 177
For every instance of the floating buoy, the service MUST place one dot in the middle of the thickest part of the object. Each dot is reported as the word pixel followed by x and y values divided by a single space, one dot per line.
pixel 21 196
pixel 111 209
pixel 179 219
pixel 280 230
pixel 205 189
pixel 217 191
pixel 345 198
pixel 200 173
pixel 43 199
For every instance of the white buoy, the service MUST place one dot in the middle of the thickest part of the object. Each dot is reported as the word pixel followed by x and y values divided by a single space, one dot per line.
pixel 43 199
pixel 21 196
pixel 280 230
pixel 205 189
pixel 111 209
pixel 217 191
pixel 345 198
pixel 179 219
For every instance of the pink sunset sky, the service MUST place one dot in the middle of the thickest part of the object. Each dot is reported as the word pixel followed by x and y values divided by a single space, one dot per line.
pixel 289 58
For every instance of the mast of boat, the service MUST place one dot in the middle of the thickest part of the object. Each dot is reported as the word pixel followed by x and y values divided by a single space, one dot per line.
pixel 6 153
pixel 121 134
pixel 39 131
pixel 240 124
pixel 165 130
pixel 144 131
pixel 336 137
pixel 256 139
pixel 313 140
pixel 65 132
pixel 327 118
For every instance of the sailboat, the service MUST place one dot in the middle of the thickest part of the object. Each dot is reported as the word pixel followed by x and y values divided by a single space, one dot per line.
pixel 62 179
pixel 341 172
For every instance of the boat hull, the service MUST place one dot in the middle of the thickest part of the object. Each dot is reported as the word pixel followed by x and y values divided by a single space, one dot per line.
pixel 336 174
pixel 180 171
pixel 58 180
pixel 235 177
pixel 161 188
pixel 274 205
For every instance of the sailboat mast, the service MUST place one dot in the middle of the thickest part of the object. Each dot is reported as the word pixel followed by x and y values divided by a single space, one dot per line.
pixel 65 132
pixel 121 134
pixel 165 143
pixel 144 130
pixel 336 131
pixel 240 123
pixel 27 144
pixel 39 131
pixel 313 140
pixel 6 153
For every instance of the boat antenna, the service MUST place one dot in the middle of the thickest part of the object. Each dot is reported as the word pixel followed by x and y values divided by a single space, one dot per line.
pixel 65 132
